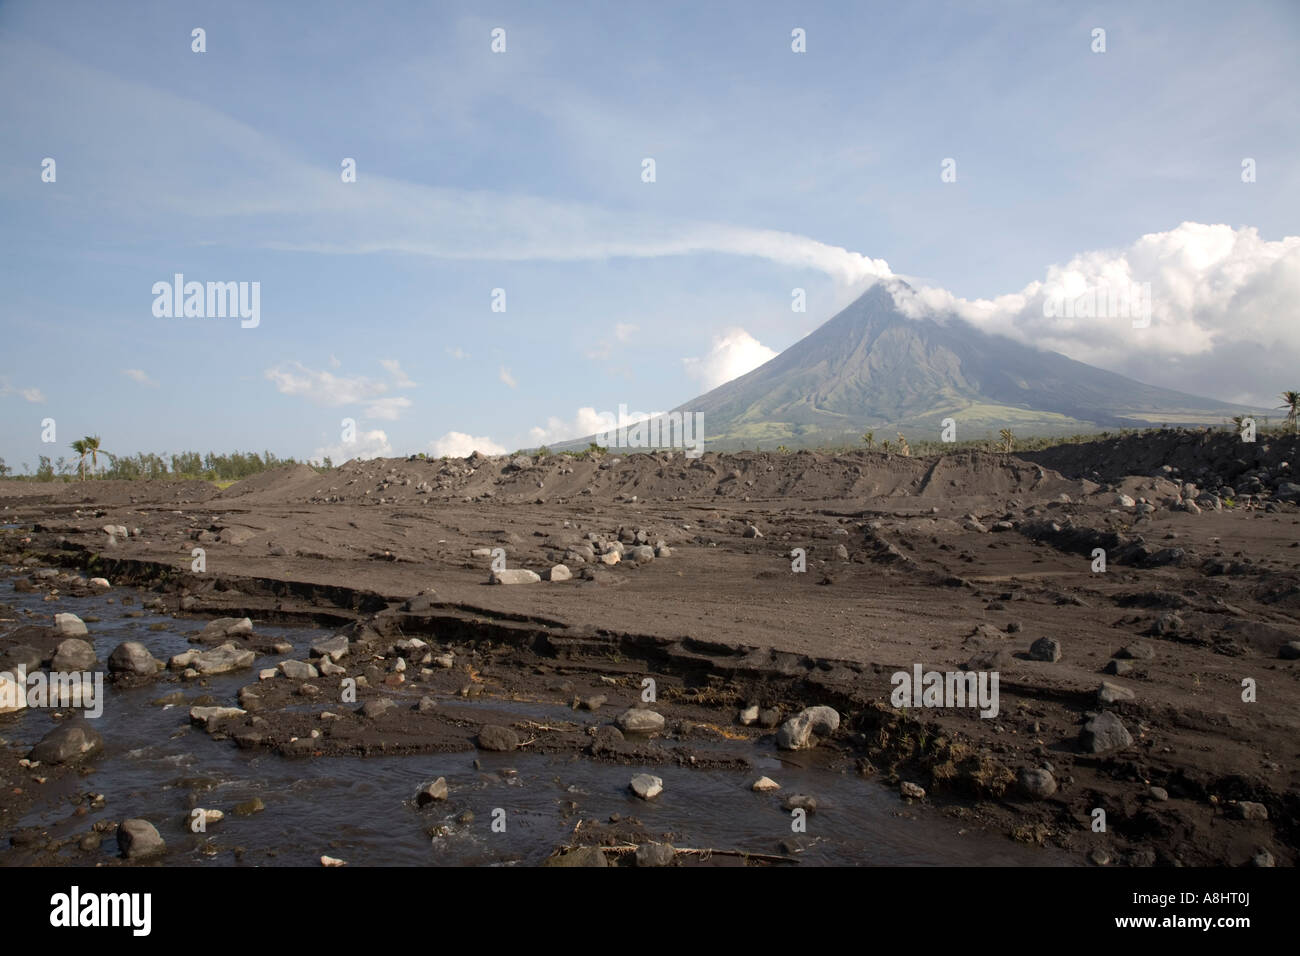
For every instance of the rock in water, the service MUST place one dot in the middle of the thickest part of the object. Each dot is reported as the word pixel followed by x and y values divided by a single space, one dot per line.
pixel 496 738
pixel 431 792
pixel 797 732
pixel 73 654
pixel 68 742
pixel 138 839
pixel 69 625
pixel 1104 732
pixel 638 720
pixel 132 657
pixel 655 854
pixel 647 786
pixel 765 785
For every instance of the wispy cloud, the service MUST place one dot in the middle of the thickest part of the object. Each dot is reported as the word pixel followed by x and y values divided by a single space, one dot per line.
pixel 506 377
pixel 139 376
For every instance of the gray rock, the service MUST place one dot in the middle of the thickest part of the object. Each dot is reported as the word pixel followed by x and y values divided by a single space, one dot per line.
pixel 1124 501
pixel 655 854
pixel 1045 649
pixel 841 552
pixel 514 576
pixel 212 716
pixel 67 743
pixel 377 707
pixel 647 786
pixel 748 716
pixel 226 627
pixel 497 738
pixel 298 670
pixel 334 648
pixel 1289 651
pixel 1103 733
pixel 800 801
pixel 768 717
pixel 134 658
pixel 641 554
pixel 73 654
pixel 1119 668
pixel 220 660
pixel 1036 783
pixel 911 791
pixel 1262 858
pixel 582 856
pixel 560 572
pixel 797 732
pixel 138 839
pixel 638 720
pixel 752 532
pixel 69 625
pixel 1109 693
pixel 1159 794
pixel 1137 651
pixel 1249 810
pixel 431 792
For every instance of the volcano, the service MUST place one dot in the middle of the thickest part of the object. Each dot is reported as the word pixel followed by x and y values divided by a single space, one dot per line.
pixel 873 368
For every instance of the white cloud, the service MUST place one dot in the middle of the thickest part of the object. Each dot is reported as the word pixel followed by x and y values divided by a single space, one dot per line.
pixel 458 353
pixel 321 387
pixel 388 409
pixel 588 421
pixel 394 368
pixel 461 445
pixel 623 331
pixel 506 377
pixel 1222 303
pixel 138 375
pixel 33 395
pixel 734 353
pixel 371 444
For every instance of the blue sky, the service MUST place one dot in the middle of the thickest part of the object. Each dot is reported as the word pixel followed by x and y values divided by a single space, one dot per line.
pixel 522 171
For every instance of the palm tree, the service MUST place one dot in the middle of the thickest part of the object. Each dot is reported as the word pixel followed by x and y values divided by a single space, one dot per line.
pixel 1291 402
pixel 1008 440
pixel 868 438
pixel 81 448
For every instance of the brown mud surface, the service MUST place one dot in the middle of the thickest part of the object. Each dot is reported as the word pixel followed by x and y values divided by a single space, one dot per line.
pixel 950 562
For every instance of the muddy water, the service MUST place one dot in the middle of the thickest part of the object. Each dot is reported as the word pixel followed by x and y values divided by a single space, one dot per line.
pixel 156 766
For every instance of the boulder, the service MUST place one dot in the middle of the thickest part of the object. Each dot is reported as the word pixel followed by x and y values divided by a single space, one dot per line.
pixel 638 720
pixel 73 654
pixel 514 576
pixel 69 625
pixel 647 786
pixel 797 732
pixel 1103 733
pixel 133 658
pixel 138 839
pixel 67 743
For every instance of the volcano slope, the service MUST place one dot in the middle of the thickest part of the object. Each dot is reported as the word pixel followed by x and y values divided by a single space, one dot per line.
pixel 958 562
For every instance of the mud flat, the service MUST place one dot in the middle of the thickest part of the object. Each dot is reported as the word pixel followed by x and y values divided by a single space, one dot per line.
pixel 1161 691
